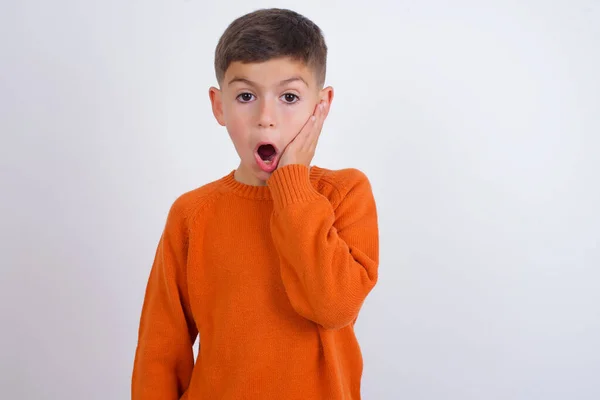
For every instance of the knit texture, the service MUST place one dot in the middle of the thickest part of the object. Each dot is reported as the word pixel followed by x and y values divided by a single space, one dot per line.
pixel 270 279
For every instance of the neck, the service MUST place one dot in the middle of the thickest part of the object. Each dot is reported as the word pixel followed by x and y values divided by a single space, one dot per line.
pixel 243 175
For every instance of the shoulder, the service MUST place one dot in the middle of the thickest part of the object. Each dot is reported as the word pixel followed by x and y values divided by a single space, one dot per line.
pixel 340 183
pixel 344 179
pixel 188 205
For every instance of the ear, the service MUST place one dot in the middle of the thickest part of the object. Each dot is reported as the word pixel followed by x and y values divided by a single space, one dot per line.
pixel 217 104
pixel 326 95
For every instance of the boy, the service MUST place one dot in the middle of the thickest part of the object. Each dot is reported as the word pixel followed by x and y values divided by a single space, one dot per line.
pixel 271 263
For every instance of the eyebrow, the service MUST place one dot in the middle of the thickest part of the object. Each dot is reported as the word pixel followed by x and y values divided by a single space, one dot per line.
pixel 283 82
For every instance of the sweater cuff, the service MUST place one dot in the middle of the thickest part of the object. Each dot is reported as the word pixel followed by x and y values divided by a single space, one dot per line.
pixel 291 184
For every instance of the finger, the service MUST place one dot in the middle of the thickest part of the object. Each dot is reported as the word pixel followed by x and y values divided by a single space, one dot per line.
pixel 305 136
pixel 318 126
pixel 307 125
pixel 300 139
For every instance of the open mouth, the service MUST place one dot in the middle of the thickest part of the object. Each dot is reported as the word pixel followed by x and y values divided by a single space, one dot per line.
pixel 266 152
pixel 267 156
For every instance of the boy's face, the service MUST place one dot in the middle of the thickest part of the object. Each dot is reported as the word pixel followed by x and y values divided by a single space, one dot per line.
pixel 265 102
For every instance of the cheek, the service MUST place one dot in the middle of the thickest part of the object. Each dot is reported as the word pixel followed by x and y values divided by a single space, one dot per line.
pixel 294 120
pixel 237 127
pixel 236 122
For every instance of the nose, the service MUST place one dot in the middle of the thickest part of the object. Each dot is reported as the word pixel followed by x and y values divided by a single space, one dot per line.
pixel 266 117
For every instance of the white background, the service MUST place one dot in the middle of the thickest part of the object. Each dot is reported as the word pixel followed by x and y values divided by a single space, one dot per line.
pixel 477 122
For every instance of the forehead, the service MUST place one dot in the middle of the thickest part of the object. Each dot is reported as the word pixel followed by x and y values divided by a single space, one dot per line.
pixel 270 73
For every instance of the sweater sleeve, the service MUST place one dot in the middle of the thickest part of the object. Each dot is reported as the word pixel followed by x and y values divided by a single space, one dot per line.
pixel 164 355
pixel 329 257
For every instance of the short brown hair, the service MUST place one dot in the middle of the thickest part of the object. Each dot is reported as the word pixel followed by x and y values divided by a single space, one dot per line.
pixel 271 33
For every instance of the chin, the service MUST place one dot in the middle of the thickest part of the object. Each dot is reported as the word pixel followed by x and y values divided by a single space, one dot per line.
pixel 259 173
pixel 263 176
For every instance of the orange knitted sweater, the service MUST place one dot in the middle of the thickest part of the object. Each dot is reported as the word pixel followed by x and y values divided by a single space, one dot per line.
pixel 271 278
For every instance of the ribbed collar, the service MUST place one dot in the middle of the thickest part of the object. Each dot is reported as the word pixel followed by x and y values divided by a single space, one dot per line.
pixel 230 184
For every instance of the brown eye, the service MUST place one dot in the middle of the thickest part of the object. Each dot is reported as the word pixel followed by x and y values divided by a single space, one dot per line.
pixel 290 98
pixel 245 97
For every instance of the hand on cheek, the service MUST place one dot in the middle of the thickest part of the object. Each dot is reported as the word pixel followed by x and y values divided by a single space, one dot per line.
pixel 301 149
